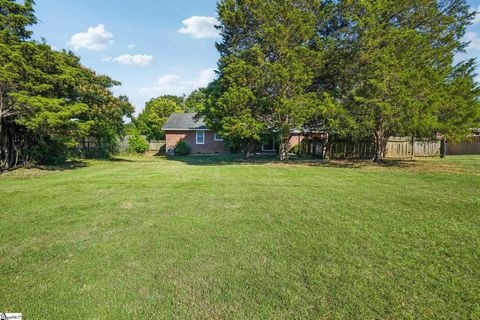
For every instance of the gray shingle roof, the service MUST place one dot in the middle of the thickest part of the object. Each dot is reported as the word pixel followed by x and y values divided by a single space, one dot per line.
pixel 184 121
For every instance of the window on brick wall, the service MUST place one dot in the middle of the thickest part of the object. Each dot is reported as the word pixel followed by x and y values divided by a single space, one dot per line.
pixel 200 137
pixel 217 137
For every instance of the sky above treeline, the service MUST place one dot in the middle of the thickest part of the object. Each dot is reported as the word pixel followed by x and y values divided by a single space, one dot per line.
pixel 154 47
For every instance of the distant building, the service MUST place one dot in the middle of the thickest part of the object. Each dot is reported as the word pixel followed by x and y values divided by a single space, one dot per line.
pixel 186 126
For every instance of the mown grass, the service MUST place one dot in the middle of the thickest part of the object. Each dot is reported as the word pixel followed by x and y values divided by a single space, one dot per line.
pixel 217 237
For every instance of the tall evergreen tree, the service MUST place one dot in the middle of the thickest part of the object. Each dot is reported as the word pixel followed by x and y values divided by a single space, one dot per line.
pixel 391 66
pixel 266 68
pixel 196 101
pixel 48 100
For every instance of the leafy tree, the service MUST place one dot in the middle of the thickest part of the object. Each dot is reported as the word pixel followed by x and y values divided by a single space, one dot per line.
pixel 229 112
pixel 196 101
pixel 266 65
pixel 14 20
pixel 137 142
pixel 48 100
pixel 180 100
pixel 390 66
pixel 154 116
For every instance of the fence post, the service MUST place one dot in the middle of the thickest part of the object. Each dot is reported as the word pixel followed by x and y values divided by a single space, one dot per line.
pixel 413 148
pixel 443 148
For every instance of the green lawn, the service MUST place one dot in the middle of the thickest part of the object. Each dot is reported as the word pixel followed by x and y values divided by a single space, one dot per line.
pixel 219 238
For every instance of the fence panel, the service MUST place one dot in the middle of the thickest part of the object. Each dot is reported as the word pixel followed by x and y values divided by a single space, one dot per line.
pixel 123 145
pixel 401 148
pixel 427 148
pixel 463 148
pixel 396 148
pixel 156 145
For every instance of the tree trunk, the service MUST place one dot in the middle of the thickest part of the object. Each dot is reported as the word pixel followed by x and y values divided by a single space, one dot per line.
pixel 3 155
pixel 380 144
pixel 10 150
pixel 443 148
pixel 247 150
pixel 283 152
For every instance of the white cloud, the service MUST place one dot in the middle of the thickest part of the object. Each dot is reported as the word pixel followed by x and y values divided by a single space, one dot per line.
pixel 131 46
pixel 175 85
pixel 477 17
pixel 96 38
pixel 474 40
pixel 205 77
pixel 200 27
pixel 138 59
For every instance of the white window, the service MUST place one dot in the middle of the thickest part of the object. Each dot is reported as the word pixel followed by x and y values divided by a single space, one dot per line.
pixel 217 137
pixel 269 145
pixel 200 137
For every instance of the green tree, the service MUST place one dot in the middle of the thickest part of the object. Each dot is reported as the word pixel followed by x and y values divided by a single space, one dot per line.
pixel 48 100
pixel 390 65
pixel 266 68
pixel 180 100
pixel 137 142
pixel 151 120
pixel 196 101
pixel 14 20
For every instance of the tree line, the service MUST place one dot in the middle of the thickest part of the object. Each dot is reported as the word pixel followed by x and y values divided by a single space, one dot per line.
pixel 362 70
pixel 49 102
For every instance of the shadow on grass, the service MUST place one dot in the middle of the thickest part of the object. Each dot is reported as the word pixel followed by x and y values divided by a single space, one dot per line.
pixel 68 165
pixel 116 160
pixel 235 159
pixel 76 164
pixel 222 160
pixel 356 164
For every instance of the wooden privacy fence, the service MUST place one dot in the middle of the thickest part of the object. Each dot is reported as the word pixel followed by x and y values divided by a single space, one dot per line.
pixel 157 145
pixel 350 150
pixel 153 145
pixel 397 148
pixel 470 147
pixel 402 148
pixel 123 145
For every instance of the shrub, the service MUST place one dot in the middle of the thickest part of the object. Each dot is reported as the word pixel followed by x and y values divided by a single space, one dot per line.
pixel 49 151
pixel 182 148
pixel 138 143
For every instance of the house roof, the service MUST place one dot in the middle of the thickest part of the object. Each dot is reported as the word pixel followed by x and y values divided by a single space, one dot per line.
pixel 184 121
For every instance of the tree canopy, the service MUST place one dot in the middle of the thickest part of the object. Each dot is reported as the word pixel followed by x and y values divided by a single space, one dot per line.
pixel 48 100
pixel 151 120
pixel 391 65
pixel 266 68
pixel 157 110
pixel 364 69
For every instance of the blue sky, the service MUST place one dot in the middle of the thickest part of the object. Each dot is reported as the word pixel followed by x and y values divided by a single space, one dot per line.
pixel 153 47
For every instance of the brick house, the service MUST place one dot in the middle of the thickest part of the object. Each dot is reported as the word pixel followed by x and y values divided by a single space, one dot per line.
pixel 184 126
